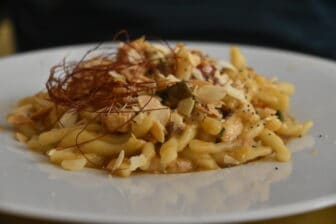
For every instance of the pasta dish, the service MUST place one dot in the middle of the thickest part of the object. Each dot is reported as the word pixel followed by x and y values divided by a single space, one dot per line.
pixel 148 107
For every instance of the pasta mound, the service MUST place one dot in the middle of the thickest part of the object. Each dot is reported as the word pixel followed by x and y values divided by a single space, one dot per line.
pixel 157 109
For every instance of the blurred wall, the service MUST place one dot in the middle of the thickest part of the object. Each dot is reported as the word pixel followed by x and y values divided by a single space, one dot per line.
pixel 302 25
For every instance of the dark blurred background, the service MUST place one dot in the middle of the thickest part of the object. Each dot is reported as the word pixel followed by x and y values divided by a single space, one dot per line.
pixel 301 25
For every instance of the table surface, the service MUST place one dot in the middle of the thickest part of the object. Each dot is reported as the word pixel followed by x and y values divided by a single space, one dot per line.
pixel 325 216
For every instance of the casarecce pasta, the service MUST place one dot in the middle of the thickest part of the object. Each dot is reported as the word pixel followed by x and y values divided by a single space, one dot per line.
pixel 157 109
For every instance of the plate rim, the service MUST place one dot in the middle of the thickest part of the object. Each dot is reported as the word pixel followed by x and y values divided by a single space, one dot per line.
pixel 235 217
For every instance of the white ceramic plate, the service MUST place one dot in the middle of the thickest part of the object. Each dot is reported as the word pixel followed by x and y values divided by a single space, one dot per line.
pixel 30 186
